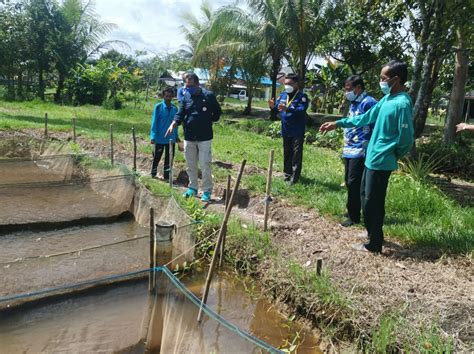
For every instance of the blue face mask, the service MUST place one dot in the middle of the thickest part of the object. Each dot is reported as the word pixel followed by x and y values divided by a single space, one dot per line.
pixel 192 89
pixel 351 96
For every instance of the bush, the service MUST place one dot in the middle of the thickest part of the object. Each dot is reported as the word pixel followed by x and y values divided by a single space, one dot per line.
pixel 115 102
pixel 332 140
pixel 274 130
pixel 457 159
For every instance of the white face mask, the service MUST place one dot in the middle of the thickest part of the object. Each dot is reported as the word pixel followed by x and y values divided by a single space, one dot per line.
pixel 385 87
pixel 289 88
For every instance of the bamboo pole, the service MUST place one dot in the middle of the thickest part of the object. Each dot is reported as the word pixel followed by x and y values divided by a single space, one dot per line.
pixel 268 190
pixel 151 279
pixel 74 129
pixel 46 125
pixel 171 163
pixel 111 145
pixel 319 266
pixel 219 240
pixel 227 200
pixel 134 150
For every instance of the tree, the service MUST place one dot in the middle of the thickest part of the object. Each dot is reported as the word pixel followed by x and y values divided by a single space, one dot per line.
pixel 77 35
pixel 306 22
pixel 234 32
pixel 40 22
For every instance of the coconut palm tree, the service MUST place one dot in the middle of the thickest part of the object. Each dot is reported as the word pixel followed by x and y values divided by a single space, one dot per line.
pixel 234 33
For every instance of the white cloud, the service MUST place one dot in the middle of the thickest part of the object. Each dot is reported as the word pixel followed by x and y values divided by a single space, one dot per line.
pixel 153 25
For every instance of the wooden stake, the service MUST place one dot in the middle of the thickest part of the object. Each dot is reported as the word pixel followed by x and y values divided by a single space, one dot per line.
pixel 46 125
pixel 268 190
pixel 151 279
pixel 171 162
pixel 134 150
pixel 219 240
pixel 74 129
pixel 111 145
pixel 319 266
pixel 227 200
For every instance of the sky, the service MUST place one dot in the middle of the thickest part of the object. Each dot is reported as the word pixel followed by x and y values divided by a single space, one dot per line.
pixel 152 25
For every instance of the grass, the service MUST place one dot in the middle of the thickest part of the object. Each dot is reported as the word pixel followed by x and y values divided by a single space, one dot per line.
pixel 417 213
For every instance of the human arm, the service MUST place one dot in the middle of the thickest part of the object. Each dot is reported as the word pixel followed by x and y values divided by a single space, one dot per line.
pixel 300 106
pixel 216 110
pixel 178 118
pixel 464 126
pixel 361 120
pixel 406 132
pixel 154 124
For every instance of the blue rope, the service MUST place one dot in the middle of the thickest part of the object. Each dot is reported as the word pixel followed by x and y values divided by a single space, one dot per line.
pixel 196 301
pixel 193 298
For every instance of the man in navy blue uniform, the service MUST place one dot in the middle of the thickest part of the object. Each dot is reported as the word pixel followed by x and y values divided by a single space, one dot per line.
pixel 356 141
pixel 291 106
pixel 197 111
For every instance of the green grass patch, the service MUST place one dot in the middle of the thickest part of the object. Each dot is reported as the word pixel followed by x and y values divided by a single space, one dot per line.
pixel 417 213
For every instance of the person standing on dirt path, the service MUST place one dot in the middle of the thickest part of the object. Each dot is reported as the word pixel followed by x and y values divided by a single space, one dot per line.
pixel 392 137
pixel 291 106
pixel 163 116
pixel 356 140
pixel 197 112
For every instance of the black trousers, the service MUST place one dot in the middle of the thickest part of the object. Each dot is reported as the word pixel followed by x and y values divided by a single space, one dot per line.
pixel 157 153
pixel 373 191
pixel 354 169
pixel 293 158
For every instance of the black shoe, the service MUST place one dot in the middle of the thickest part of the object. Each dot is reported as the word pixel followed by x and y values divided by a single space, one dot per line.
pixel 348 223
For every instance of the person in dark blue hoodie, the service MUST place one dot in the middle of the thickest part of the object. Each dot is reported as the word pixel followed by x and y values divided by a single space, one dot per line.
pixel 291 106
pixel 197 112
pixel 163 115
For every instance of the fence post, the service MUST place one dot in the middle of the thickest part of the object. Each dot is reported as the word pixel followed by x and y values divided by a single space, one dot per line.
pixel 219 240
pixel 134 150
pixel 74 129
pixel 151 279
pixel 268 190
pixel 171 154
pixel 111 145
pixel 227 200
pixel 46 125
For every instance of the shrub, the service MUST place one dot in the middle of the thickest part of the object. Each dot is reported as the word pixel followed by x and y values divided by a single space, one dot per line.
pixel 274 130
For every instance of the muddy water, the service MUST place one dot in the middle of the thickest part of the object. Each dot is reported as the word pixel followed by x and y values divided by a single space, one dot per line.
pixel 112 320
pixel 24 267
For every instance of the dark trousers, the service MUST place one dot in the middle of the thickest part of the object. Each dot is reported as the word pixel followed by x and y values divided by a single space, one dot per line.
pixel 157 153
pixel 373 191
pixel 354 169
pixel 293 158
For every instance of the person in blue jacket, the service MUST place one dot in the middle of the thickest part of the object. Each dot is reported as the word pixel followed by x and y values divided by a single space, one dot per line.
pixel 197 112
pixel 356 140
pixel 163 115
pixel 291 106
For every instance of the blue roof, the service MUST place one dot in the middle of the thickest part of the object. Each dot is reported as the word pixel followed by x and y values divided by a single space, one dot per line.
pixel 203 75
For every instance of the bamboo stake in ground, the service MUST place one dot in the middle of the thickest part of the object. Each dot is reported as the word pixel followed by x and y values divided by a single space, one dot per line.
pixel 134 150
pixel 46 125
pixel 219 240
pixel 151 279
pixel 319 266
pixel 268 190
pixel 227 200
pixel 74 130
pixel 111 145
pixel 171 154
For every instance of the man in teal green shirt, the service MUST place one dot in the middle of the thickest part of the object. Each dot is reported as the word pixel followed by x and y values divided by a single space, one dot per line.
pixel 392 138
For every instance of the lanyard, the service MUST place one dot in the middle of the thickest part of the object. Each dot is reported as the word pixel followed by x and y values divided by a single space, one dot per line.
pixel 287 97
